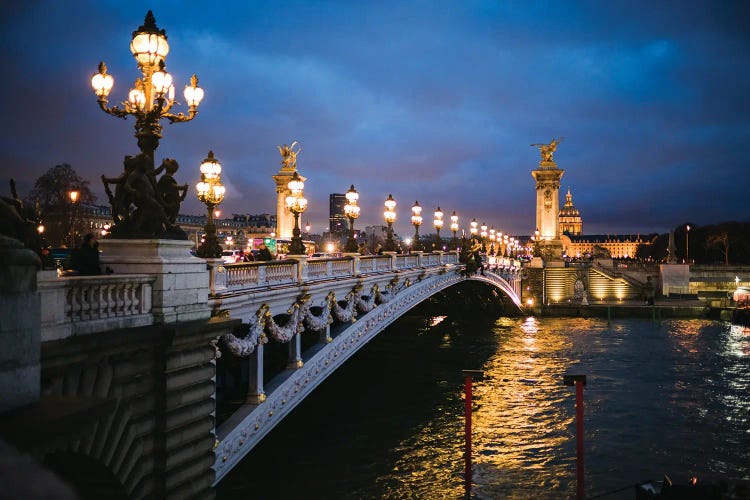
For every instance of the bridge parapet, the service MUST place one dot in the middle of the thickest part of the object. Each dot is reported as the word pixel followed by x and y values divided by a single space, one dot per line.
pixel 80 305
pixel 260 275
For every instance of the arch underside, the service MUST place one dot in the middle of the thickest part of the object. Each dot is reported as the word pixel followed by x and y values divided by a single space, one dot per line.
pixel 239 435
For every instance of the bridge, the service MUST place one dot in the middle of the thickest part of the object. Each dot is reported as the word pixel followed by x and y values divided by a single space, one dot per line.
pixel 358 295
pixel 123 371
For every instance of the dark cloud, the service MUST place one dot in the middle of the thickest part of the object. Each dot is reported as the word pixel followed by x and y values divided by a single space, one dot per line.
pixel 430 100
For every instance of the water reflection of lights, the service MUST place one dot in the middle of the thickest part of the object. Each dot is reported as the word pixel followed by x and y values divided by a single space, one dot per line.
pixel 738 341
pixel 437 320
pixel 523 422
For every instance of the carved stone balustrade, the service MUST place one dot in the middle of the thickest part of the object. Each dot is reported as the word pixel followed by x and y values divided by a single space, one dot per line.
pixel 81 305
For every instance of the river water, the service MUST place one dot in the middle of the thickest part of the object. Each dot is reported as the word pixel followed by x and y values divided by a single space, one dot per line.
pixel 661 398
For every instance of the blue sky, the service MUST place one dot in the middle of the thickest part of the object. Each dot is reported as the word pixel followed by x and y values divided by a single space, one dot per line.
pixel 436 101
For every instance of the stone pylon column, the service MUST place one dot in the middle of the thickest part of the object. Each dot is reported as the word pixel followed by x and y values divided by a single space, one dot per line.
pixel 284 218
pixel 547 177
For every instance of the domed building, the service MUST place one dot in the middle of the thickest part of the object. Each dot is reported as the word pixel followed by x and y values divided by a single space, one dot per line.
pixel 569 218
pixel 575 244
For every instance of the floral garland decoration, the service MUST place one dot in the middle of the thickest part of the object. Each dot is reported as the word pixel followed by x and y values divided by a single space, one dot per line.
pixel 245 346
pixel 348 313
pixel 320 321
pixel 292 327
pixel 366 303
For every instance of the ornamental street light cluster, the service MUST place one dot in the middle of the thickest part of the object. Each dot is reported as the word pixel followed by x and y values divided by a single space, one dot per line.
pixel 438 223
pixel 211 192
pixel 351 210
pixel 390 217
pixel 297 204
pixel 416 220
pixel 152 96
pixel 454 228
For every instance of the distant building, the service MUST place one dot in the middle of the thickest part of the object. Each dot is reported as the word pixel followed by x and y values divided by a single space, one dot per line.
pixel 569 218
pixel 337 222
pixel 578 245
pixel 619 246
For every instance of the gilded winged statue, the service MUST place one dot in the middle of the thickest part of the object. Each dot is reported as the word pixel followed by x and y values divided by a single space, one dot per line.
pixel 548 150
pixel 289 155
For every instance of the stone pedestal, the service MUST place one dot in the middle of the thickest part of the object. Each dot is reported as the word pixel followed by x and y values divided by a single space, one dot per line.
pixel 19 325
pixel 301 266
pixel 675 279
pixel 180 292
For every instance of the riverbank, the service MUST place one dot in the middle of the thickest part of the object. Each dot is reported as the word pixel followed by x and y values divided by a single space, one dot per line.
pixel 662 309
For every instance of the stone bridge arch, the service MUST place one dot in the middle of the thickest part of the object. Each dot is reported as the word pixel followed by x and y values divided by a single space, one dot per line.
pixel 249 425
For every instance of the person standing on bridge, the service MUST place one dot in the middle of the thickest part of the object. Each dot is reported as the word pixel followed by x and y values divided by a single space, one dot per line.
pixel 265 253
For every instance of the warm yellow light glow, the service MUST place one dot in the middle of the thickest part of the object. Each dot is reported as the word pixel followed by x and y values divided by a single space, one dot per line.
pixel 101 82
pixel 390 213
pixel 473 227
pixel 330 247
pixel 74 196
pixel 193 93
pixel 149 44
pixel 351 209
pixel 162 81
pixel 210 168
pixel 416 218
pixel 40 228
pixel 529 301
pixel 438 221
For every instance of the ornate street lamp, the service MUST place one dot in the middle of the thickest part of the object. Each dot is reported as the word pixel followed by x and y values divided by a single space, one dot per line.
pixel 211 193
pixel 473 227
pixel 492 240
pixel 438 223
pixel 483 234
pixel 454 228
pixel 351 210
pixel 416 220
pixel 74 195
pixel 390 217
pixel 307 227
pixel 152 95
pixel 537 252
pixel 296 203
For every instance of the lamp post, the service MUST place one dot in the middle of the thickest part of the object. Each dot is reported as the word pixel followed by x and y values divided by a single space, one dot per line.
pixel 438 223
pixel 296 203
pixel 416 220
pixel 483 234
pixel 74 195
pixel 687 240
pixel 152 96
pixel 307 228
pixel 211 193
pixel 351 210
pixel 390 217
pixel 492 240
pixel 454 228
pixel 537 252
pixel 473 228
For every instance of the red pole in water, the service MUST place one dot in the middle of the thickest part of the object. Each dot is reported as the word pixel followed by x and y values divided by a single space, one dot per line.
pixel 579 381
pixel 468 378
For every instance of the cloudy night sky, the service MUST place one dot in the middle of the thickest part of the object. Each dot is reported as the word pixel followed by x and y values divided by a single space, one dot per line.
pixel 436 101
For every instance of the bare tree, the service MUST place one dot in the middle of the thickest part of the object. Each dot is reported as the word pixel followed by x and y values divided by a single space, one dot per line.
pixel 52 193
pixel 720 240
